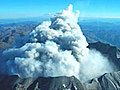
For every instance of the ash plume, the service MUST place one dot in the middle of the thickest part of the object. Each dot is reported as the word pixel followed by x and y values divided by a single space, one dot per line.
pixel 56 48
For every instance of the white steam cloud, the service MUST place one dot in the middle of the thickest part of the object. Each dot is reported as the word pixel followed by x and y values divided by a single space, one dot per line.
pixel 56 48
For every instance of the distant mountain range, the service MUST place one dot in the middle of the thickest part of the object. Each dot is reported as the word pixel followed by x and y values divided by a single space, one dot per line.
pixel 26 19
pixel 101 29
pixel 95 29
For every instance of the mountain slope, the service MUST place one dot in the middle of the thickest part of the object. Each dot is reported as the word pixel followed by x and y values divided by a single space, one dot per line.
pixel 108 81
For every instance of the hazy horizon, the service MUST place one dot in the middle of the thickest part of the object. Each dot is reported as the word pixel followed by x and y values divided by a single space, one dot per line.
pixel 42 18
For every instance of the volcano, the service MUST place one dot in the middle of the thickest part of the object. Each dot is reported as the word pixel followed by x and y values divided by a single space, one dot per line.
pixel 57 56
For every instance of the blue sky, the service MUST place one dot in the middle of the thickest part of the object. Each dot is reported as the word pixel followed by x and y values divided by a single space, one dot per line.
pixel 36 8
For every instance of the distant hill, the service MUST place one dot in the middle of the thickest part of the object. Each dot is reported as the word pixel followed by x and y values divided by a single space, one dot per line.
pixel 105 30
pixel 8 32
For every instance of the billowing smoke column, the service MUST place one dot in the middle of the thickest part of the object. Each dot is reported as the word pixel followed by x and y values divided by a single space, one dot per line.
pixel 56 48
